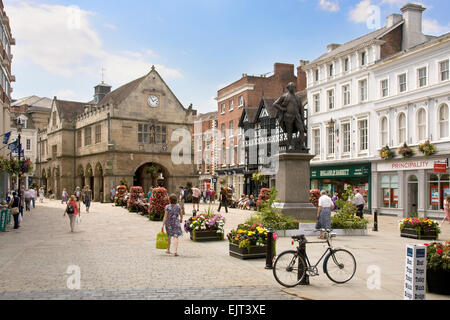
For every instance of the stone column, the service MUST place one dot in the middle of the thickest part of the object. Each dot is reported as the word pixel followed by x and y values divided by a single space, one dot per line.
pixel 293 183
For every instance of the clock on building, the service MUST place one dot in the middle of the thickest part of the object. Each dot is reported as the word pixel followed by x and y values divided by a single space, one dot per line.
pixel 153 101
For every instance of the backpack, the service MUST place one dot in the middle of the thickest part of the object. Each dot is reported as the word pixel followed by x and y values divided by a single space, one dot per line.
pixel 70 209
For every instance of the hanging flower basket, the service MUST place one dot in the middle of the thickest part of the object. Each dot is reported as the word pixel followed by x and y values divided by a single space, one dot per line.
pixel 386 153
pixel 427 148
pixel 406 151
pixel 12 166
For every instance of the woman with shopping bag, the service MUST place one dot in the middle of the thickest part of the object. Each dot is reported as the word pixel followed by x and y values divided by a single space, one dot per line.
pixel 173 217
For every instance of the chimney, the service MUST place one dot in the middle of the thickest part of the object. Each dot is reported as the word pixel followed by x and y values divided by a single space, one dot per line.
pixel 412 28
pixel 332 46
pixel 393 19
pixel 301 75
pixel 283 69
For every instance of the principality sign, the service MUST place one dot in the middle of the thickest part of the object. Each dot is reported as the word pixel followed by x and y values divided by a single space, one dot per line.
pixel 408 165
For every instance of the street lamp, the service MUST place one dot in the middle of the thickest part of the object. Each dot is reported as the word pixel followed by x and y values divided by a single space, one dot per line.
pixel 19 147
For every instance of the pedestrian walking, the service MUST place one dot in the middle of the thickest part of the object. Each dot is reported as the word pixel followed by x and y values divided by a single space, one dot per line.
pixel 27 196
pixel 173 217
pixel 196 194
pixel 21 205
pixel 65 196
pixel 335 200
pixel 223 201
pixel 33 196
pixel 213 196
pixel 87 198
pixel 447 209
pixel 14 205
pixel 41 194
pixel 359 202
pixel 324 213
pixel 72 211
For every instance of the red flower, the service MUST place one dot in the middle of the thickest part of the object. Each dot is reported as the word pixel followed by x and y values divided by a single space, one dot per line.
pixel 439 251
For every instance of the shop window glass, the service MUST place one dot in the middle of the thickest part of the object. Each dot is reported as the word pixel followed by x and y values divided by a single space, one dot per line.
pixel 389 191
pixel 438 189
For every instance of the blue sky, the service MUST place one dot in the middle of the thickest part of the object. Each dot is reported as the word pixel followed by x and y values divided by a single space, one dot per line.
pixel 198 46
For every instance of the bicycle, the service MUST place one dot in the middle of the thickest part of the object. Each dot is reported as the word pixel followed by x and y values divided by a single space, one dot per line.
pixel 291 267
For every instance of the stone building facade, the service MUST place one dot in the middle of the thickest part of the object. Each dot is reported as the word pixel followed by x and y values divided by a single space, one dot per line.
pixel 126 137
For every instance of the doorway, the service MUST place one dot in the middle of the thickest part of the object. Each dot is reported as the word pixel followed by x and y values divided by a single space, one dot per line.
pixel 413 196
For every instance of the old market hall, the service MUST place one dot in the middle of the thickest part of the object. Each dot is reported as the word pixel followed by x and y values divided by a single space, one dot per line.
pixel 122 136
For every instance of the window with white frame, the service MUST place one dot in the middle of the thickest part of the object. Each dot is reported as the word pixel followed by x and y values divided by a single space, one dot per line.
pixel 231 108
pixel 331 70
pixel 222 108
pixel 363 135
pixel 401 124
pixel 222 131
pixel 316 75
pixel 231 128
pixel 363 58
pixel 443 121
pixel 346 94
pixel 316 99
pixel 384 88
pixel 241 101
pixel 331 140
pixel 444 70
pixel 384 132
pixel 346 65
pixel 346 138
pixel 28 145
pixel 330 94
pixel 402 83
pixel 421 124
pixel 316 142
pixel 363 90
pixel 422 77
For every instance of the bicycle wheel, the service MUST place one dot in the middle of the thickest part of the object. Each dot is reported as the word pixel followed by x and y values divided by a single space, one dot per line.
pixel 340 266
pixel 286 269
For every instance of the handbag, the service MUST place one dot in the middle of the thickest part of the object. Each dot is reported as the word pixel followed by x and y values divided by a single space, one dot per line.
pixel 162 240
pixel 15 211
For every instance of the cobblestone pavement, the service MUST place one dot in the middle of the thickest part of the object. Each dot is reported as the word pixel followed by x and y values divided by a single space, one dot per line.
pixel 115 251
pixel 116 255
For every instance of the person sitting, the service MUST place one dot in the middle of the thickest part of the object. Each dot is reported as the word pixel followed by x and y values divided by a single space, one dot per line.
pixel 241 201
pixel 252 202
pixel 246 205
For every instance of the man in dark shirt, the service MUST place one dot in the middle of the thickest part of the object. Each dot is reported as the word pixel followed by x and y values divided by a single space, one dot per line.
pixel 223 199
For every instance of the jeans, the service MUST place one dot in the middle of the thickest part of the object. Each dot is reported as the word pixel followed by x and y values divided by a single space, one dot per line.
pixel 16 221
pixel 33 200
pixel 27 204
pixel 225 205
pixel 359 213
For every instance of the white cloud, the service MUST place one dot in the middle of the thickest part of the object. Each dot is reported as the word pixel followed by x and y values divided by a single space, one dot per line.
pixel 329 5
pixel 433 27
pixel 361 12
pixel 110 26
pixel 61 40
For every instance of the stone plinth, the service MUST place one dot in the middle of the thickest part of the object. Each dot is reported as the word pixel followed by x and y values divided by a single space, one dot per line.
pixel 293 185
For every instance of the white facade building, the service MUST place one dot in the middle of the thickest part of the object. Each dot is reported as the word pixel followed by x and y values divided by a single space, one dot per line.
pixel 356 92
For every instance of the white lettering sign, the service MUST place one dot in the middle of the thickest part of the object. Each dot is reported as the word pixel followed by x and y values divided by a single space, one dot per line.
pixel 415 272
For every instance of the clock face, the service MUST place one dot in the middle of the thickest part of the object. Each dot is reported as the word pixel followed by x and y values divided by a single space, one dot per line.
pixel 153 101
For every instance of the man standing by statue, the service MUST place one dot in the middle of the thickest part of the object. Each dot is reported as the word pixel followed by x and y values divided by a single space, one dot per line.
pixel 291 118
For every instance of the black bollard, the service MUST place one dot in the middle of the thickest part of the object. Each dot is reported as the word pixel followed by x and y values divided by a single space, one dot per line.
pixel 375 221
pixel 305 280
pixel 269 254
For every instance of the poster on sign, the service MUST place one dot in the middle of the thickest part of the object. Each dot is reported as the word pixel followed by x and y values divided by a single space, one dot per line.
pixel 415 272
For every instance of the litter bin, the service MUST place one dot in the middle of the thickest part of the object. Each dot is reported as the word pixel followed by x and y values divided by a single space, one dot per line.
pixel 5 219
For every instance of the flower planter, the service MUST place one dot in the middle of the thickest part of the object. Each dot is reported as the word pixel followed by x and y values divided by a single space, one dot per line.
pixel 206 235
pixel 255 252
pixel 421 235
pixel 438 281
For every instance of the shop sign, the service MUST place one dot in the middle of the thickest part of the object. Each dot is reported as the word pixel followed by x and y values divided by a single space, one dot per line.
pixel 340 173
pixel 440 167
pixel 407 165
pixel 416 272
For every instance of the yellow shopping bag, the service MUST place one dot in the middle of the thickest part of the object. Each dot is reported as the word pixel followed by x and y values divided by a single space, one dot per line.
pixel 162 241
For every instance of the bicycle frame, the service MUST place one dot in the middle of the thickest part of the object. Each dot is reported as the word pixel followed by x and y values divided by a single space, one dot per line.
pixel 328 251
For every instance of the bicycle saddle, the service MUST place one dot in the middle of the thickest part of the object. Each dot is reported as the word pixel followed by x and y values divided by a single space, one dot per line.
pixel 299 237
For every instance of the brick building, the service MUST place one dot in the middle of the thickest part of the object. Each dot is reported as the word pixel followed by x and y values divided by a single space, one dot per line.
pixel 232 99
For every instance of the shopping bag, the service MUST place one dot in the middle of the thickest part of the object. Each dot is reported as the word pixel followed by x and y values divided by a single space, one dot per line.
pixel 162 241
pixel 78 219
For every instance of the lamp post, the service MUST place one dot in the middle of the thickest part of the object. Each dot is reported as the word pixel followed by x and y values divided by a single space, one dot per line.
pixel 19 147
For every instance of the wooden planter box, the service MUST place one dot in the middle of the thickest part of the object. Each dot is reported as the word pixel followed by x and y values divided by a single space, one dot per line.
pixel 414 234
pixel 256 252
pixel 438 282
pixel 202 236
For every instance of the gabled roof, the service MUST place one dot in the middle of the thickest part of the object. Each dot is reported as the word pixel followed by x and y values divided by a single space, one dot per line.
pixel 121 93
pixel 266 104
pixel 249 113
pixel 67 109
pixel 33 101
pixel 355 44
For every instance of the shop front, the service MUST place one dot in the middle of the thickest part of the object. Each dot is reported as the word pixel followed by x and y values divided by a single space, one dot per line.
pixel 407 188
pixel 337 178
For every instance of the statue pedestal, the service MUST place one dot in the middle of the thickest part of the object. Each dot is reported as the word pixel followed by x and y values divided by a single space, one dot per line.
pixel 293 186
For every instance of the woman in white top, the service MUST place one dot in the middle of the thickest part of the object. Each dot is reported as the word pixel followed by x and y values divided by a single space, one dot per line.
pixel 41 194
pixel 324 212
pixel 447 209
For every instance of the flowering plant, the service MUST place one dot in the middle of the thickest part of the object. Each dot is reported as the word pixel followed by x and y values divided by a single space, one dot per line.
pixel 420 224
pixel 406 151
pixel 14 166
pixel 205 222
pixel 314 196
pixel 158 202
pixel 386 153
pixel 249 235
pixel 438 256
pixel 427 148
pixel 264 195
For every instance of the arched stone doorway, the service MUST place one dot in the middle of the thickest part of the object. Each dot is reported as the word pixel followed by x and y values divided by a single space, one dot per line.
pixel 99 182
pixel 56 183
pixel 44 180
pixel 147 174
pixel 89 179
pixel 80 177
pixel 49 185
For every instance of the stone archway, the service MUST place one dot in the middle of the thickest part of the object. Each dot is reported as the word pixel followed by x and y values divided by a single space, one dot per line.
pixel 147 174
pixel 89 179
pixel 98 189
pixel 80 181
pixel 44 181
pixel 49 185
pixel 57 183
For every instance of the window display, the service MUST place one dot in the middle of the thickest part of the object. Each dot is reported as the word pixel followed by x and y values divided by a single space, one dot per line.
pixel 389 191
pixel 438 189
